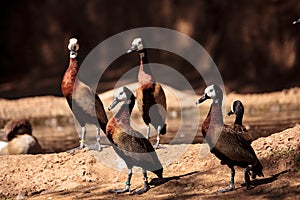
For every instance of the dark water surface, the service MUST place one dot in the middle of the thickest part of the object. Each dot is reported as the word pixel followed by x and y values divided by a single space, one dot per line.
pixel 62 137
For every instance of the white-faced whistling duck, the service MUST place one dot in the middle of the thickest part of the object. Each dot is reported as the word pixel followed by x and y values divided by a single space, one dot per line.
pixel 83 101
pixel 128 143
pixel 237 108
pixel 151 98
pixel 225 143
pixel 20 140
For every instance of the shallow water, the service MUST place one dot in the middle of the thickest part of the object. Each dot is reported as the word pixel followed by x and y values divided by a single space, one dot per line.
pixel 62 137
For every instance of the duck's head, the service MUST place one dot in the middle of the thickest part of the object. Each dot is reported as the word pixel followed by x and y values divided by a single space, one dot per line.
pixel 122 94
pixel 237 108
pixel 73 46
pixel 297 21
pixel 17 127
pixel 136 45
pixel 213 92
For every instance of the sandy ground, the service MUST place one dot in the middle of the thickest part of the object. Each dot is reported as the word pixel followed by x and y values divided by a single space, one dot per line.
pixel 190 171
pixel 195 174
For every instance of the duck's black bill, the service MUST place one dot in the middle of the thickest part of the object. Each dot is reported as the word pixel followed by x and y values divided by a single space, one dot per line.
pixel 230 113
pixel 202 99
pixel 132 48
pixel 113 104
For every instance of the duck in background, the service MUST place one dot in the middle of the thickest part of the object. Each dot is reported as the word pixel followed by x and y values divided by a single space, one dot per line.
pixel 19 139
pixel 225 143
pixel 237 108
pixel 151 98
pixel 129 144
pixel 83 100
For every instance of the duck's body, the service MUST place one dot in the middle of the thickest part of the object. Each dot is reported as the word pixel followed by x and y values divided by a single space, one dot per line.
pixel 128 143
pixel 151 101
pixel 22 144
pixel 19 139
pixel 151 98
pixel 83 101
pixel 226 143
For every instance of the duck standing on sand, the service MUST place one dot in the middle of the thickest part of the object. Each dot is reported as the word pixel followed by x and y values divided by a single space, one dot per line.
pixel 128 143
pixel 225 143
pixel 151 98
pixel 83 100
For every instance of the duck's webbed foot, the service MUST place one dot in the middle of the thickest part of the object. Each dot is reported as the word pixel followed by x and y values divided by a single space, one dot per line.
pixel 146 184
pixel 231 186
pixel 143 190
pixel 157 145
pixel 95 147
pixel 120 191
pixel 247 178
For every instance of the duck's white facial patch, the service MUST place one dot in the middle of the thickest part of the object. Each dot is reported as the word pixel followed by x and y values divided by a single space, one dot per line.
pixel 210 91
pixel 138 43
pixel 231 107
pixel 120 94
pixel 73 41
pixel 73 46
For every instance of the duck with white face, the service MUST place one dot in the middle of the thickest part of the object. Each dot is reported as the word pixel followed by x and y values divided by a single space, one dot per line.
pixel 151 98
pixel 83 101
pixel 237 108
pixel 226 143
pixel 136 45
pixel 73 47
pixel 128 143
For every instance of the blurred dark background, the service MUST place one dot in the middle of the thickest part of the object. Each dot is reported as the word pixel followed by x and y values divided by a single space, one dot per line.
pixel 253 42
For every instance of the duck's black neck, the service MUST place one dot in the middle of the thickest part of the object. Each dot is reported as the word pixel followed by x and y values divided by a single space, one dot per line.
pixel 125 111
pixel 239 118
pixel 143 56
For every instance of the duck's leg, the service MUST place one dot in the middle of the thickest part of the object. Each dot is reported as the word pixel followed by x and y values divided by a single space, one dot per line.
pixel 82 140
pixel 231 186
pixel 99 148
pixel 146 184
pixel 148 131
pixel 157 145
pixel 247 177
pixel 127 184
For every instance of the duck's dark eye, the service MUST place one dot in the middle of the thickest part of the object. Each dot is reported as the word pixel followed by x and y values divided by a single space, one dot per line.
pixel 121 93
pixel 211 90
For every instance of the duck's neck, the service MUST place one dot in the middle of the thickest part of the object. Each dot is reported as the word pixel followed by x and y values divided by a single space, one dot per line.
pixel 214 117
pixel 123 115
pixel 73 67
pixel 70 76
pixel 239 118
pixel 143 57
pixel 145 75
